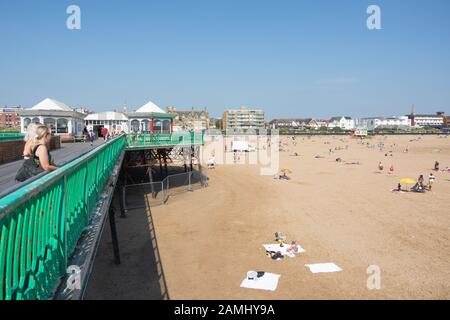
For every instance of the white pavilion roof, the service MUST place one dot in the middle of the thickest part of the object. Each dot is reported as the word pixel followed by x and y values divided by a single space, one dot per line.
pixel 50 104
pixel 108 115
pixel 150 107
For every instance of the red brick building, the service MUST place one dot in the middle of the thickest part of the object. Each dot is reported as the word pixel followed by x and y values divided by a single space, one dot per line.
pixel 9 116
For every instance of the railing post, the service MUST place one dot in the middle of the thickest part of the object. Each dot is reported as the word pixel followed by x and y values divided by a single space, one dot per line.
pixel 117 190
pixel 115 241
pixel 64 221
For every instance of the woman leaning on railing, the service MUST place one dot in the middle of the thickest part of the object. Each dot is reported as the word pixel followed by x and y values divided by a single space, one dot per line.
pixel 39 159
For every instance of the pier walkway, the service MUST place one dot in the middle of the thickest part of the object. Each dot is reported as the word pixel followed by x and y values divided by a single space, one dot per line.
pixel 63 155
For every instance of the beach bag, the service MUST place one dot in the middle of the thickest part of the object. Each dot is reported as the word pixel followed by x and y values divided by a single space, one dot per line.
pixel 30 168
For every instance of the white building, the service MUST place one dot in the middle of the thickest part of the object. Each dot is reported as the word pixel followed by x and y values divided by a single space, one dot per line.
pixel 427 120
pixel 372 123
pixel 113 121
pixel 56 115
pixel 345 123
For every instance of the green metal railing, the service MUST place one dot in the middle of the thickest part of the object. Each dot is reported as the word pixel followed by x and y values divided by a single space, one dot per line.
pixel 154 139
pixel 41 222
pixel 11 136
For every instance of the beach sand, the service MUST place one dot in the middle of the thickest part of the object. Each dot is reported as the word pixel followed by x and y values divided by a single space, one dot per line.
pixel 341 213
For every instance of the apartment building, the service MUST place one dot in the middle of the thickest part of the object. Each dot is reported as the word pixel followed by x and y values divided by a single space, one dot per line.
pixel 243 118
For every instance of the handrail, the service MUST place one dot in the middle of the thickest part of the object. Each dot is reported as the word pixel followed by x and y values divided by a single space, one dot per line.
pixel 11 136
pixel 41 222
pixel 164 139
pixel 19 185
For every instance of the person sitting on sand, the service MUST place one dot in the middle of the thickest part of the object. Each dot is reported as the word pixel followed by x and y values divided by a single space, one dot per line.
pixel 294 247
pixel 211 162
pixel 275 255
pixel 391 169
pixel 380 166
pixel 418 188
pixel 436 166
pixel 420 180
pixel 284 176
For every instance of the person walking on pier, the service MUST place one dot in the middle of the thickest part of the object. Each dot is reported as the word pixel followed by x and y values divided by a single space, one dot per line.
pixel 104 132
pixel 91 137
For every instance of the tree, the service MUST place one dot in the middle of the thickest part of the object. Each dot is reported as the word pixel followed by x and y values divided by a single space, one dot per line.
pixel 337 129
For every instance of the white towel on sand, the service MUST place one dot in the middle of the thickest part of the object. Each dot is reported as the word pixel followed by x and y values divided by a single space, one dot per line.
pixel 268 281
pixel 323 267
pixel 276 247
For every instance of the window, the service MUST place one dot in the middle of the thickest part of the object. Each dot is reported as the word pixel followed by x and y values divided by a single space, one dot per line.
pixel 135 125
pixel 50 122
pixel 157 126
pixel 62 126
pixel 166 126
pixel 26 122
pixel 145 125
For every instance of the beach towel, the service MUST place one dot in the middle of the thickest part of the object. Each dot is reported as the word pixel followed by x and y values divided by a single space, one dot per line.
pixel 268 281
pixel 323 267
pixel 283 249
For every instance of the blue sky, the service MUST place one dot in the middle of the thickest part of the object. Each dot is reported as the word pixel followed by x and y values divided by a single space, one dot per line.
pixel 290 58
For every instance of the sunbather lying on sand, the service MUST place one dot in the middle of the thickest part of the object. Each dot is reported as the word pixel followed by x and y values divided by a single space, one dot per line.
pixel 275 255
pixel 352 162
pixel 294 247
pixel 399 189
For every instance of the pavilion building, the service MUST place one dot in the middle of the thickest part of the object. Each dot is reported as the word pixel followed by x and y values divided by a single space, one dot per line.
pixel 150 118
pixel 56 115
pixel 113 121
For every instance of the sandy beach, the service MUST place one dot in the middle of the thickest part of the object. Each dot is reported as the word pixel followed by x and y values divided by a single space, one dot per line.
pixel 338 212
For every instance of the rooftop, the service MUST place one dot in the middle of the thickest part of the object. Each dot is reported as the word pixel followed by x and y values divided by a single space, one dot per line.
pixel 51 105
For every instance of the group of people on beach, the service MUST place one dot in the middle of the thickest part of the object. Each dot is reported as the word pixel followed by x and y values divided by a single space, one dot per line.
pixel 420 185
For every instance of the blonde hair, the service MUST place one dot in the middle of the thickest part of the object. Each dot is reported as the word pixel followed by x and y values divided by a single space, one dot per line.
pixel 31 131
pixel 40 132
